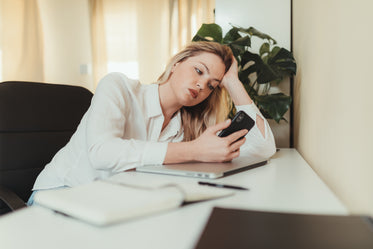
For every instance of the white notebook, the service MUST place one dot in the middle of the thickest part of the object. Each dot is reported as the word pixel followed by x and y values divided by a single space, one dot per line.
pixel 106 202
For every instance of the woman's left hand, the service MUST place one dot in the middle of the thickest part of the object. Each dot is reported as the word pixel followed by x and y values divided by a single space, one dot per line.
pixel 233 85
pixel 231 76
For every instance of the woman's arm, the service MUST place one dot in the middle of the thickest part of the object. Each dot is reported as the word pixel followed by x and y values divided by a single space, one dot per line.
pixel 238 93
pixel 260 142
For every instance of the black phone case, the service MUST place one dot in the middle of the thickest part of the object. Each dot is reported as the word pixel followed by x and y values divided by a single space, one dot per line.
pixel 240 121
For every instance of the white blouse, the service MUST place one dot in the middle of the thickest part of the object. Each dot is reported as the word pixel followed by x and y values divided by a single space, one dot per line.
pixel 121 130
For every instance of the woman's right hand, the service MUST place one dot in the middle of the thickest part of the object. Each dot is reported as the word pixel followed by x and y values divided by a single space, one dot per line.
pixel 208 147
pixel 211 148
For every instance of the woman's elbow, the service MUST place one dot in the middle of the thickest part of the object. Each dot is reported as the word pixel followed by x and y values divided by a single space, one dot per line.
pixel 270 150
pixel 267 148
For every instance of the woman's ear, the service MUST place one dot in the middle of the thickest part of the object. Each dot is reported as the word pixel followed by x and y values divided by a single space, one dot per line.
pixel 174 66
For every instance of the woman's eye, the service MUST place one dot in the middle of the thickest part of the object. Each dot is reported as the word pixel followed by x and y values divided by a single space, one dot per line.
pixel 211 87
pixel 198 71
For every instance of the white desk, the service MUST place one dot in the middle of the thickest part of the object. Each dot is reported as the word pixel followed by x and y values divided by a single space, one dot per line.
pixel 286 184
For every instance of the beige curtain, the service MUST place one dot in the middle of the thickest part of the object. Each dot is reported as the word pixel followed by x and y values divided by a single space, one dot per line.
pixel 186 18
pixel 21 41
pixel 98 39
pixel 134 37
pixel 140 36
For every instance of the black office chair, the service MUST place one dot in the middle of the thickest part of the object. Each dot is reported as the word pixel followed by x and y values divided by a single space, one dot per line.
pixel 36 120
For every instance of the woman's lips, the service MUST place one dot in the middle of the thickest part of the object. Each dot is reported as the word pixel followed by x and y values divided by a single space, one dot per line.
pixel 193 92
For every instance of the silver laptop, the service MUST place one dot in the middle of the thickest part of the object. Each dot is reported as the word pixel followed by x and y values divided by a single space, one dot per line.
pixel 203 170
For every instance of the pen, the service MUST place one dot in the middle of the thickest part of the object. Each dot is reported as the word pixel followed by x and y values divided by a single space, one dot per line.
pixel 218 185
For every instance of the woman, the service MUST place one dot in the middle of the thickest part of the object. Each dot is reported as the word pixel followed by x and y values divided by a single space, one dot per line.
pixel 129 124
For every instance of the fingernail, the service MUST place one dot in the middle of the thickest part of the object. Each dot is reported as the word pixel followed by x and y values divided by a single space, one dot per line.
pixel 228 120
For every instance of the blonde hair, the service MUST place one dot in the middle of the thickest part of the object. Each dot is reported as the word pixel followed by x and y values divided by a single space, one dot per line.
pixel 215 108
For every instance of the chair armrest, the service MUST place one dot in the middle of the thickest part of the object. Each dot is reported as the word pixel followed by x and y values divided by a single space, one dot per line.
pixel 11 199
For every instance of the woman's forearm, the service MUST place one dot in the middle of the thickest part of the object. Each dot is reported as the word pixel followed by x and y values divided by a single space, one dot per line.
pixel 239 96
pixel 238 93
pixel 179 152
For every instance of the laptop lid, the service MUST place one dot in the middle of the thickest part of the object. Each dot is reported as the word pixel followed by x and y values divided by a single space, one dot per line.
pixel 203 170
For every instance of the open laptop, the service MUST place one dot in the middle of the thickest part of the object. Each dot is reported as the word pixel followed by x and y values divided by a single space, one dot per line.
pixel 204 170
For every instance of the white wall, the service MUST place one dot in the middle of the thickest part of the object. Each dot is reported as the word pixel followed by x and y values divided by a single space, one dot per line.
pixel 271 17
pixel 333 95
pixel 66 41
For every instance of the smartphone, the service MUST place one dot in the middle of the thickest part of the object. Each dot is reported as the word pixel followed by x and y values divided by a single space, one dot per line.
pixel 240 121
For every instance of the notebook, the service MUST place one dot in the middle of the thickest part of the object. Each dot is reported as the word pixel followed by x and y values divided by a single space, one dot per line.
pixel 242 229
pixel 105 202
pixel 204 170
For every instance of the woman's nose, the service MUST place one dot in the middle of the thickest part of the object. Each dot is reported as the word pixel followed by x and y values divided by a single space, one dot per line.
pixel 201 84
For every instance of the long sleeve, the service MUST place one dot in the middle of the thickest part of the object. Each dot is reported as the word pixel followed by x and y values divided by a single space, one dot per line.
pixel 257 146
pixel 116 132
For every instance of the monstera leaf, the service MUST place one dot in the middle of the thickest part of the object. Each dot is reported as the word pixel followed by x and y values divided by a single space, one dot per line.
pixel 265 73
pixel 209 32
pixel 282 62
pixel 274 106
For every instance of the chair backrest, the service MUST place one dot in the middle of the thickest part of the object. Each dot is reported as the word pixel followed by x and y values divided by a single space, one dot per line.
pixel 36 120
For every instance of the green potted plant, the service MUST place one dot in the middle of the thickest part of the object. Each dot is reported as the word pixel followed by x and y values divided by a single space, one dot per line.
pixel 257 72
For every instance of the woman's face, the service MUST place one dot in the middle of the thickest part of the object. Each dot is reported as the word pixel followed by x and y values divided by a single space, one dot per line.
pixel 193 79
